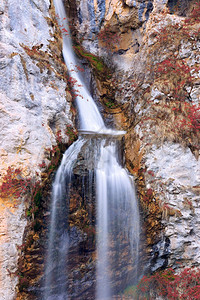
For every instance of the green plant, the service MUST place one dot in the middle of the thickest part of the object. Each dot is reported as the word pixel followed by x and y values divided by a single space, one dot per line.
pixel 71 133
pixel 29 212
pixel 130 291
pixel 95 61
pixel 110 104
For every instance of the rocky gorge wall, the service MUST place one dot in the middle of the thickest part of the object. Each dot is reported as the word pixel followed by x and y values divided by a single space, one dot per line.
pixel 34 106
pixel 150 86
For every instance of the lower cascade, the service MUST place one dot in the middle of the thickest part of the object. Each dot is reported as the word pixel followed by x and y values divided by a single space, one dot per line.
pixel 91 171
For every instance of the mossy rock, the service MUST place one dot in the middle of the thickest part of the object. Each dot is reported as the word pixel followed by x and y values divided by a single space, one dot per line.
pixel 95 62
pixel 130 291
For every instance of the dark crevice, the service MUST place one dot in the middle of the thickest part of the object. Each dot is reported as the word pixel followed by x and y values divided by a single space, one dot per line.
pixel 179 7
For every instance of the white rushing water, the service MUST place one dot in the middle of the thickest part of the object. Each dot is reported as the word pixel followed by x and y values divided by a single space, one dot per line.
pixel 117 219
pixel 90 118
pixel 118 216
pixel 56 264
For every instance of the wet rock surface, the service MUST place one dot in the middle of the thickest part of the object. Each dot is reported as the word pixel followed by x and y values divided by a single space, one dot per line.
pixel 82 250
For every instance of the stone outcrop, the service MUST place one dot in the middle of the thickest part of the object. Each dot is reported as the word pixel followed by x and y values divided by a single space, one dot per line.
pixel 177 185
pixel 33 96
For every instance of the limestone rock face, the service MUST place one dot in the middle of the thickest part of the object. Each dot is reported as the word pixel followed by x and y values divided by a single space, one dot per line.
pixel 33 102
pixel 12 224
pixel 34 105
pixel 119 17
pixel 171 148
pixel 177 177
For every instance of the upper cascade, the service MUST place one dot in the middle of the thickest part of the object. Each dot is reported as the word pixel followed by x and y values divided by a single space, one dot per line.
pixel 89 116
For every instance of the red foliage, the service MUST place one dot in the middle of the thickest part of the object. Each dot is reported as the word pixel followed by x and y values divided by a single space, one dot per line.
pixel 74 85
pixel 149 192
pixel 58 137
pixel 191 121
pixel 179 73
pixel 42 165
pixel 194 16
pixel 193 114
pixel 185 285
pixel 13 183
pixel 151 173
pixel 172 66
pixel 109 39
pixel 172 70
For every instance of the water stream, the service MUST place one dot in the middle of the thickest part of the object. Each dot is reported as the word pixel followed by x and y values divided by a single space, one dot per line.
pixel 117 216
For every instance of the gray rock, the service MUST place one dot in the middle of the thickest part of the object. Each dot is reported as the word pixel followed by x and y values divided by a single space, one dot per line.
pixel 33 106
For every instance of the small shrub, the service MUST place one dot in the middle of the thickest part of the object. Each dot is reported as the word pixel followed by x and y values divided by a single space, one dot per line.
pixel 14 184
pixel 71 133
pixel 190 119
pixel 109 39
pixel 171 286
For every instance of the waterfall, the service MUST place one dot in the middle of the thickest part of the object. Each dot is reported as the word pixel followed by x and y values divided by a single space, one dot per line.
pixel 90 118
pixel 117 215
pixel 56 265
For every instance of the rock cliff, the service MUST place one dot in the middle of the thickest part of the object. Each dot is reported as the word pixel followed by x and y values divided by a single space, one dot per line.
pixel 144 57
pixel 34 106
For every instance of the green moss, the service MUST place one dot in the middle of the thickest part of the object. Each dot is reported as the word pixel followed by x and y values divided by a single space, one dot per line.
pixel 109 104
pixel 130 291
pixel 37 198
pixel 52 167
pixel 29 212
pixel 94 60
